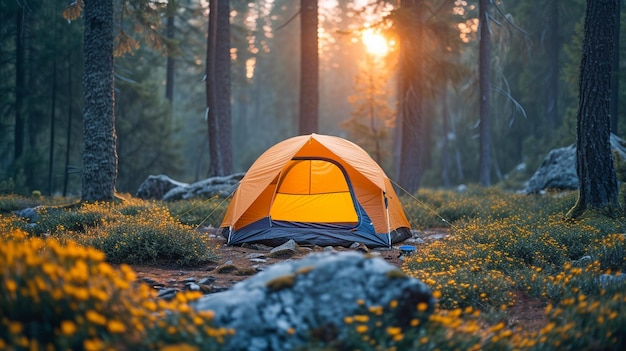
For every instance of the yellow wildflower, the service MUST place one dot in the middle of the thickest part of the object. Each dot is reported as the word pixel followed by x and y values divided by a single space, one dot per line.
pixel 95 317
pixel 394 331
pixel 11 285
pixel 361 318
pixel 115 326
pixel 68 327
pixel 93 345
pixel 361 329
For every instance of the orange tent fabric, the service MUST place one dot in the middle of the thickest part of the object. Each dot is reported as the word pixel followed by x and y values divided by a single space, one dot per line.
pixel 314 179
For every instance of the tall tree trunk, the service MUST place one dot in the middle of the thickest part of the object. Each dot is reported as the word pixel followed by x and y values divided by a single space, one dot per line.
pixel 485 94
pixel 309 68
pixel 212 108
pixel 170 30
pixel 554 46
pixel 222 70
pixel 594 161
pixel 411 101
pixel 445 148
pixel 52 121
pixel 68 132
pixel 615 76
pixel 20 83
pixel 99 155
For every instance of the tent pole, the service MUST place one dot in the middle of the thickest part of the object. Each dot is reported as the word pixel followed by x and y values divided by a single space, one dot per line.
pixel 388 222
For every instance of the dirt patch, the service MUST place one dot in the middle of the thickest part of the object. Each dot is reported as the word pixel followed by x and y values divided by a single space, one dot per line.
pixel 236 263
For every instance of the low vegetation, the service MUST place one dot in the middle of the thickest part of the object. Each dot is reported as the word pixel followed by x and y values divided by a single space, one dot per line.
pixel 59 290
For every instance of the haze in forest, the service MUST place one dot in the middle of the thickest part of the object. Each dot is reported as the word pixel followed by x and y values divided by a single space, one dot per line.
pixel 534 67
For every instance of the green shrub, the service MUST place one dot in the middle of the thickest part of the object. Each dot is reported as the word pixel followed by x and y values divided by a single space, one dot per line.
pixel 131 231
pixel 150 236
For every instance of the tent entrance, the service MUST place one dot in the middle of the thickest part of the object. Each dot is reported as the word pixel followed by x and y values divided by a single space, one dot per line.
pixel 314 191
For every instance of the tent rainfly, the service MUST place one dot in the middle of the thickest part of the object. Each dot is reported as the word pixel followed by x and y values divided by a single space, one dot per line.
pixel 318 190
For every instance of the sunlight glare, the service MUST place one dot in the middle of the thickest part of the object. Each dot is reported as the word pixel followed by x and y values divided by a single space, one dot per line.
pixel 375 43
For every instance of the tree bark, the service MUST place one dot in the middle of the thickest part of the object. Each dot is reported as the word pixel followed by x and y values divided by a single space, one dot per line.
pixel 170 30
pixel 445 148
pixel 99 155
pixel 410 168
pixel 309 68
pixel 594 162
pixel 485 94
pixel 68 131
pixel 211 92
pixel 20 84
pixel 615 76
pixel 554 46
pixel 222 71
pixel 52 122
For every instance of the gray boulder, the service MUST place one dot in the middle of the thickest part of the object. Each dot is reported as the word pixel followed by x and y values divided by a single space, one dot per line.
pixel 281 307
pixel 221 186
pixel 156 186
pixel 557 171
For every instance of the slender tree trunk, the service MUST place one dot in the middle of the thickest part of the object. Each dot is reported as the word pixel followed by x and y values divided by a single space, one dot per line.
pixel 372 109
pixel 411 101
pixel 212 108
pixel 594 161
pixel 309 68
pixel 99 156
pixel 222 71
pixel 170 31
pixel 485 94
pixel 554 46
pixel 52 123
pixel 615 76
pixel 445 152
pixel 20 83
pixel 68 132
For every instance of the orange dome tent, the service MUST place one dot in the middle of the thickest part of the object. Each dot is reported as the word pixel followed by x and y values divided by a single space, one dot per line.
pixel 318 190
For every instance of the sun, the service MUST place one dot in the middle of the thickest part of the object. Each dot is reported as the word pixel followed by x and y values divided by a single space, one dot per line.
pixel 375 43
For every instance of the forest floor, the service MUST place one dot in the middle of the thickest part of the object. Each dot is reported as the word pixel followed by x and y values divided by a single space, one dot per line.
pixel 236 263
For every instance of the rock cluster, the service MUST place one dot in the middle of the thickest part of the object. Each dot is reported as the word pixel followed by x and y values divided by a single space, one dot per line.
pixel 162 187
pixel 280 307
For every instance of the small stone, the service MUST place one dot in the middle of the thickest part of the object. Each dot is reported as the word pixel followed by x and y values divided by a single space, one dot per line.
pixel 192 287
pixel 255 255
pixel 287 249
pixel 149 280
pixel 207 280
pixel 226 269
pixel 167 294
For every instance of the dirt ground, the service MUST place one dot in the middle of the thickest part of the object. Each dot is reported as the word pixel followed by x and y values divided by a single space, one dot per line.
pixel 237 263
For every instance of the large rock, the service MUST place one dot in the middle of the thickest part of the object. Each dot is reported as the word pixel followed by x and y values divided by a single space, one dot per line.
pixel 558 169
pixel 156 186
pixel 162 187
pixel 279 308
pixel 221 186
